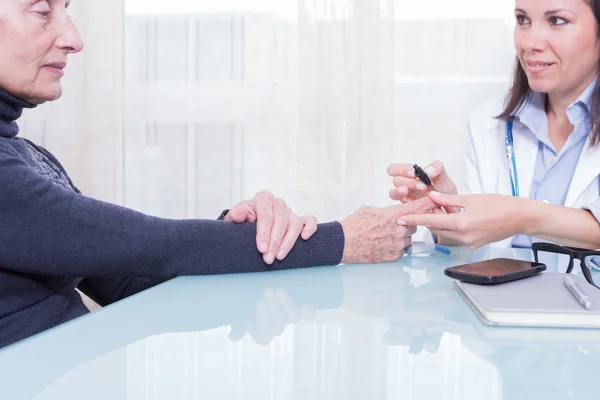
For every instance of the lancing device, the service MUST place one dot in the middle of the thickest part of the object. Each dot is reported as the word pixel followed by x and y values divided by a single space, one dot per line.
pixel 423 177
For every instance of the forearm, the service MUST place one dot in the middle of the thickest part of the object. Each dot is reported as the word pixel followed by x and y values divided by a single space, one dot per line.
pixel 107 290
pixel 47 230
pixel 562 225
pixel 155 248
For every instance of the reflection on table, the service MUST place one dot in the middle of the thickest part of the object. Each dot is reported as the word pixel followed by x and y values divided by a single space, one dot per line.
pixel 352 332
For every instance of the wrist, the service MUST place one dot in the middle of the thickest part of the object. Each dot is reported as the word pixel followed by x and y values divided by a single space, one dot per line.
pixel 530 216
pixel 346 251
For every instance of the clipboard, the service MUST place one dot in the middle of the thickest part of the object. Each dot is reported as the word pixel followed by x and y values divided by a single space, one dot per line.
pixel 538 301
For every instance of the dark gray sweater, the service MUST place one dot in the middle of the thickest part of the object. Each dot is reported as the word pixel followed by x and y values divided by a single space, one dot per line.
pixel 53 239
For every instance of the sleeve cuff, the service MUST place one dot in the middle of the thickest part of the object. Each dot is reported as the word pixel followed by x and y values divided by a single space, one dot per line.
pixel 222 216
pixel 594 208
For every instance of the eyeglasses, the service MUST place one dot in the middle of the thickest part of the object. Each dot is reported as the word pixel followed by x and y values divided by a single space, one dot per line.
pixel 587 259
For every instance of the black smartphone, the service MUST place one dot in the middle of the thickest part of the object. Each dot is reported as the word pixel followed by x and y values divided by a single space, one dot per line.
pixel 497 270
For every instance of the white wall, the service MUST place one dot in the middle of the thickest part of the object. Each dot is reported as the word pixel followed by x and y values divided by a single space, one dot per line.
pixel 312 101
pixel 182 115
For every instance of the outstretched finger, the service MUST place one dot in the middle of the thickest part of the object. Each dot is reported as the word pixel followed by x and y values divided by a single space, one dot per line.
pixel 433 221
pixel 448 200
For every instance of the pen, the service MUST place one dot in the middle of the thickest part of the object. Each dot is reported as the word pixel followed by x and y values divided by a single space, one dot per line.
pixel 424 177
pixel 577 292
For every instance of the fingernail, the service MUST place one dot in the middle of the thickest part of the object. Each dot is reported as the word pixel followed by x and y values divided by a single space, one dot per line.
pixel 401 222
pixel 402 190
pixel 281 254
pixel 421 186
pixel 436 193
pixel 270 258
pixel 411 174
pixel 430 170
pixel 264 246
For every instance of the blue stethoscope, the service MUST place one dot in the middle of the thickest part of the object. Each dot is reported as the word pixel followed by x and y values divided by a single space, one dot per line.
pixel 512 167
pixel 510 154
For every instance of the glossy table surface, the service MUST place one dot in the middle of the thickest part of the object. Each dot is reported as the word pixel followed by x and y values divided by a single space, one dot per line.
pixel 386 331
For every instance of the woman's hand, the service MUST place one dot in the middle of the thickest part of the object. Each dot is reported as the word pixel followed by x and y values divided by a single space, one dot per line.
pixel 277 227
pixel 408 188
pixel 486 218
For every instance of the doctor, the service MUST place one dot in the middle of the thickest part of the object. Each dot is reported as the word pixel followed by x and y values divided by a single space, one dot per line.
pixel 537 149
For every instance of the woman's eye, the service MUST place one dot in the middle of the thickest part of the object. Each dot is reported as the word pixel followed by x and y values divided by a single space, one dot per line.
pixel 522 20
pixel 557 21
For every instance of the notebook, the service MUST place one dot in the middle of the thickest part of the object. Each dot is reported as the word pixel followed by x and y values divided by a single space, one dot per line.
pixel 539 301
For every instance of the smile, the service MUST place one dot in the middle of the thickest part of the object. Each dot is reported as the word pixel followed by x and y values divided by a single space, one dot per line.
pixel 537 67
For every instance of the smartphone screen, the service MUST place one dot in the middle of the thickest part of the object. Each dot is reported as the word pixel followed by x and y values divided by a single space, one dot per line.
pixel 495 270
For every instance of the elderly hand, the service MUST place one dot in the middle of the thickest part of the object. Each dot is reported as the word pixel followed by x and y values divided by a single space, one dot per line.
pixel 372 234
pixel 486 218
pixel 408 188
pixel 277 227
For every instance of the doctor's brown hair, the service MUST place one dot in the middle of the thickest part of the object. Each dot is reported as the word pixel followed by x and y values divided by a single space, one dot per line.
pixel 520 91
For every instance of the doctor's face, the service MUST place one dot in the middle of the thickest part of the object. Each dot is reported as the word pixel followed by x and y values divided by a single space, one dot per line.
pixel 557 44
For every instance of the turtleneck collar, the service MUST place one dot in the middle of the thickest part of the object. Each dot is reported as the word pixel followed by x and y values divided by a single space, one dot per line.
pixel 11 109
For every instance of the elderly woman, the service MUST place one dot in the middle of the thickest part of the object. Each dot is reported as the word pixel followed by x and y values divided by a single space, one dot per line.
pixel 54 239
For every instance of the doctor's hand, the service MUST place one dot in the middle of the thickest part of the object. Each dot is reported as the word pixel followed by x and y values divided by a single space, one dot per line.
pixel 486 218
pixel 277 227
pixel 408 188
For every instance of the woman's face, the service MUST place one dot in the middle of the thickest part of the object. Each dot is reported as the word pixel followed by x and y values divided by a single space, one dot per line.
pixel 557 44
pixel 35 38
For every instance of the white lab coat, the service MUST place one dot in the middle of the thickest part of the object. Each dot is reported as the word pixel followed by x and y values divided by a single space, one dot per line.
pixel 487 164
